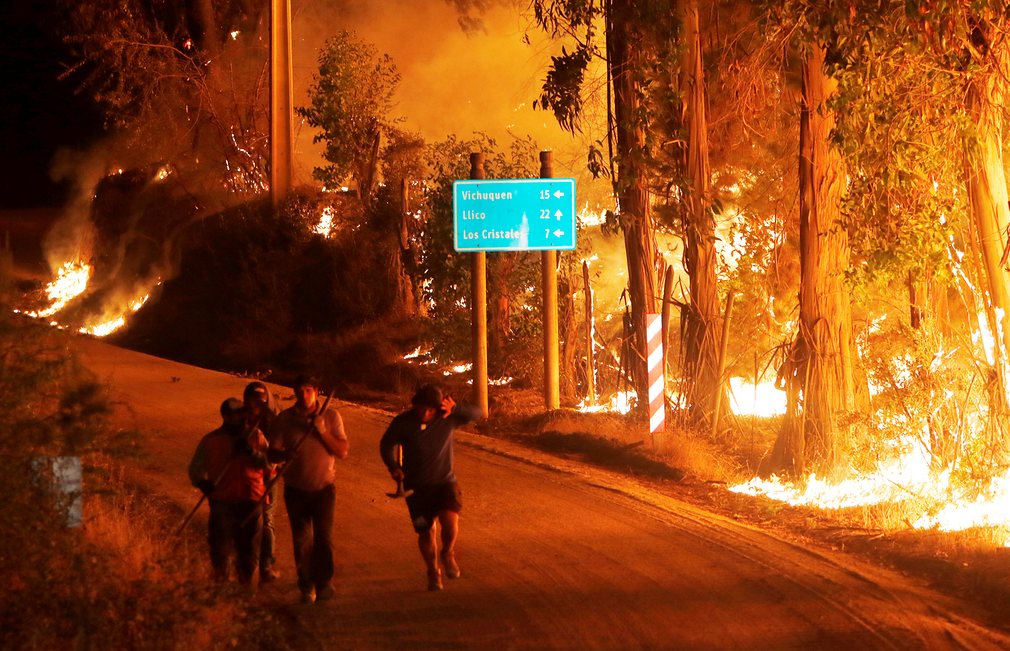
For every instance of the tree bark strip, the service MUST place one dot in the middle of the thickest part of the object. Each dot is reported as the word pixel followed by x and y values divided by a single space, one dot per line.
pixel 703 329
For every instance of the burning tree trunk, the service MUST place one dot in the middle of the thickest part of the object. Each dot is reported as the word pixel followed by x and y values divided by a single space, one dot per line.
pixel 406 302
pixel 626 62
pixel 987 190
pixel 820 369
pixel 702 332
pixel 502 266
pixel 569 336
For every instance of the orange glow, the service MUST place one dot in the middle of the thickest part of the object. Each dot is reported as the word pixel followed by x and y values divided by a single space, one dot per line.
pixel 620 402
pixel 763 399
pixel 71 281
pixel 907 478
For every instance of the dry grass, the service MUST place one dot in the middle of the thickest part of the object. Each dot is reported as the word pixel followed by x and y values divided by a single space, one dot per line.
pixel 611 440
pixel 123 580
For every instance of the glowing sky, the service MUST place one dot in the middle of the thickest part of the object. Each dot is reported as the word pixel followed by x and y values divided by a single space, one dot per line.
pixel 453 80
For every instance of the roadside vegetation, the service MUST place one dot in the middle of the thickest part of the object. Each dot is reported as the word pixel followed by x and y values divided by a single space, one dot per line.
pixel 119 578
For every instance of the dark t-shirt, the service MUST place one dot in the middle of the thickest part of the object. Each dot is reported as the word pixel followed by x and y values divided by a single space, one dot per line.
pixel 427 448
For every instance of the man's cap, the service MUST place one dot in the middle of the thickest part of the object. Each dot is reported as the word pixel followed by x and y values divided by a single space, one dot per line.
pixel 306 381
pixel 427 396
pixel 256 390
pixel 232 406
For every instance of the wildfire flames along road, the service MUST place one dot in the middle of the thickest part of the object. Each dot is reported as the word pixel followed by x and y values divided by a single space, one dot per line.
pixel 554 554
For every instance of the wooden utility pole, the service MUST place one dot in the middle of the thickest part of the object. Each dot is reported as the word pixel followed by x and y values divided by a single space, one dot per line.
pixel 549 275
pixel 478 309
pixel 281 148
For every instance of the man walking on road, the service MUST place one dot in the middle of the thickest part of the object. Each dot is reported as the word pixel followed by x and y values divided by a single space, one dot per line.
pixel 310 442
pixel 228 467
pixel 260 412
pixel 424 435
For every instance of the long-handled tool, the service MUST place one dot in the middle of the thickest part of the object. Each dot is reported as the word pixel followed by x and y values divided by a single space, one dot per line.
pixel 203 498
pixel 280 473
pixel 217 480
pixel 399 482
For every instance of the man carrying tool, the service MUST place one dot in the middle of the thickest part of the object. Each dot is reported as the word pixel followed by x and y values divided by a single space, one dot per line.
pixel 260 412
pixel 309 438
pixel 227 467
pixel 424 435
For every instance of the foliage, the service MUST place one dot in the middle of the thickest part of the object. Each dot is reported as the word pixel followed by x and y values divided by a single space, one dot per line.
pixel 120 580
pixel 934 396
pixel 350 100
pixel 179 84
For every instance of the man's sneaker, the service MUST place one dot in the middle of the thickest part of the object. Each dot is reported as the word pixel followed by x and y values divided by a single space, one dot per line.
pixel 269 575
pixel 450 566
pixel 325 593
pixel 308 596
pixel 434 581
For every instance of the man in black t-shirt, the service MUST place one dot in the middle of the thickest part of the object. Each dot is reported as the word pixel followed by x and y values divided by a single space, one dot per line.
pixel 424 434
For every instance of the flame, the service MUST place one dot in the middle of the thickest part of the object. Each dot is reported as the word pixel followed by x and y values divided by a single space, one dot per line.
pixel 458 368
pixel 621 402
pixel 71 281
pixel 325 225
pixel 762 399
pixel 905 478
pixel 110 326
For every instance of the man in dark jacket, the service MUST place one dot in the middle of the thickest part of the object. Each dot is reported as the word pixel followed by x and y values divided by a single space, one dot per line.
pixel 424 434
pixel 228 467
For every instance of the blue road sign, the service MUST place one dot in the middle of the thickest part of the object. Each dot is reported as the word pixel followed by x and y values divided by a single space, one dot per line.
pixel 513 214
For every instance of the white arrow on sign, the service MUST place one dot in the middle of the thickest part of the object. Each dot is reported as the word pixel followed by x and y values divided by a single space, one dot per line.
pixel 558 194
pixel 558 233
pixel 559 214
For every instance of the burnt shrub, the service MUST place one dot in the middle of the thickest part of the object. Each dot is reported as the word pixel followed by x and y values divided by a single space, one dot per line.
pixel 257 290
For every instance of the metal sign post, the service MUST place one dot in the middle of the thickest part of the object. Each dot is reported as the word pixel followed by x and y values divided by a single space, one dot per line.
pixel 549 284
pixel 478 308
pixel 514 215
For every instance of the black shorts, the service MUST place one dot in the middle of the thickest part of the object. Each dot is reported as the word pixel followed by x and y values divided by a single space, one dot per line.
pixel 426 502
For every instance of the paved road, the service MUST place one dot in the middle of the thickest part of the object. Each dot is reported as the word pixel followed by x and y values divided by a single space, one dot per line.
pixel 554 555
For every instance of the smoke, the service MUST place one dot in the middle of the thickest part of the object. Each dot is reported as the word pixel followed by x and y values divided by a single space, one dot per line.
pixel 72 236
pixel 465 68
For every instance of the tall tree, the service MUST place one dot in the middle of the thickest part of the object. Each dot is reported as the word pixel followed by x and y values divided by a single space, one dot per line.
pixel 822 355
pixel 350 100
pixel 626 62
pixel 702 330
pixel 987 93
pixel 625 33
pixel 819 373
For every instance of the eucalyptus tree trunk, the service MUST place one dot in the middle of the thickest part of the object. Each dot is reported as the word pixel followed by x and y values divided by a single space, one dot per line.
pixel 501 267
pixel 820 370
pixel 702 331
pixel 987 191
pixel 626 63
